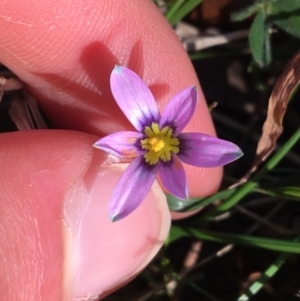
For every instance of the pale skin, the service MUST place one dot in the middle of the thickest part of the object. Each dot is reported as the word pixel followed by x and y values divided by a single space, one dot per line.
pixel 64 51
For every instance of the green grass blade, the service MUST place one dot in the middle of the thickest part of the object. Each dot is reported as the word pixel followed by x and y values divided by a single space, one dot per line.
pixel 289 194
pixel 183 11
pixel 269 273
pixel 252 183
pixel 288 191
pixel 278 245
pixel 245 13
pixel 172 10
pixel 176 204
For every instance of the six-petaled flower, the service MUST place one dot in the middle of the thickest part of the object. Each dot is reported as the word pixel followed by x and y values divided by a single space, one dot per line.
pixel 158 146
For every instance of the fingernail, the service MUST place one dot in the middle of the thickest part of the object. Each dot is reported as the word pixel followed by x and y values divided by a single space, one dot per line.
pixel 99 254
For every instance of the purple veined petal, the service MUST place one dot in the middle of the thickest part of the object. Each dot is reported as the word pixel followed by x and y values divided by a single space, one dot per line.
pixel 133 97
pixel 206 151
pixel 121 144
pixel 173 177
pixel 131 189
pixel 180 109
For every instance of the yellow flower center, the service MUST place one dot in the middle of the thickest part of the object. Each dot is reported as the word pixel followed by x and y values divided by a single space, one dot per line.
pixel 156 144
pixel 160 143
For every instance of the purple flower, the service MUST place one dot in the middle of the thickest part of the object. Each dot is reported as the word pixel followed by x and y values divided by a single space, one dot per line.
pixel 158 146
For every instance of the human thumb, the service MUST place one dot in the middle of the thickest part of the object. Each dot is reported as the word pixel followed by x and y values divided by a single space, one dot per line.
pixel 57 241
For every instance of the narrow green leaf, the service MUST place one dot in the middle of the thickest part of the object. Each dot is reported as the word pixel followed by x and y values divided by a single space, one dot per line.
pixel 183 11
pixel 287 188
pixel 279 194
pixel 176 204
pixel 252 183
pixel 286 191
pixel 269 273
pixel 244 13
pixel 286 15
pixel 278 245
pixel 259 39
pixel 289 191
pixel 175 6
pixel 251 9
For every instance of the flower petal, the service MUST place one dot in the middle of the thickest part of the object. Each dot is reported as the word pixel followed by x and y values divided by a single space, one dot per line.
pixel 206 151
pixel 173 177
pixel 133 97
pixel 121 144
pixel 180 110
pixel 131 189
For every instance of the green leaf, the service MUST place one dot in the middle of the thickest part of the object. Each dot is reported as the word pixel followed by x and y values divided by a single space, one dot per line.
pixel 287 188
pixel 253 182
pixel 278 245
pixel 172 10
pixel 288 191
pixel 176 204
pixel 235 195
pixel 286 15
pixel 259 39
pixel 269 273
pixel 251 9
pixel 244 13
pixel 183 11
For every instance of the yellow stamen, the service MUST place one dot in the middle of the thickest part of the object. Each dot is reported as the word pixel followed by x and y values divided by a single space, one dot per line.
pixel 160 144
pixel 156 144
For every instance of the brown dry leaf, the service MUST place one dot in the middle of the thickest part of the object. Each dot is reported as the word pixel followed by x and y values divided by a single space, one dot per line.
pixel 283 89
